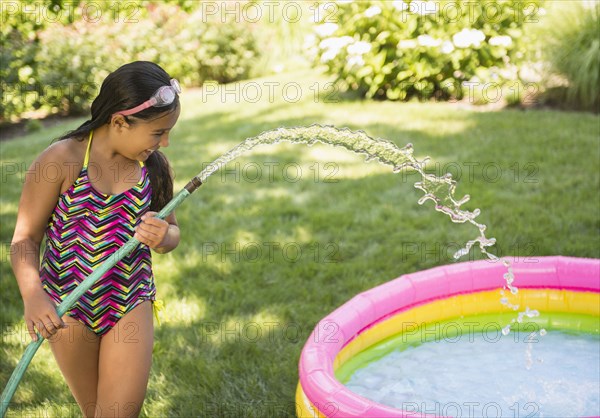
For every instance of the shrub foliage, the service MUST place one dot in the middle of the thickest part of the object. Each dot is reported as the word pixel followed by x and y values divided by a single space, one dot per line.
pixel 55 57
pixel 397 50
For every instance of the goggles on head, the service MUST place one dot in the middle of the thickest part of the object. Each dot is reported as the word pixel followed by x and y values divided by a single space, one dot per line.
pixel 164 96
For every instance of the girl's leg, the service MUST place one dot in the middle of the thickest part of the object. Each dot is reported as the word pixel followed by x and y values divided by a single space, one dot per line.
pixel 76 350
pixel 124 364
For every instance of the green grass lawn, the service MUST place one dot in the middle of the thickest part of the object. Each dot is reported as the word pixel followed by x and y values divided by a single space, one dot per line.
pixel 287 233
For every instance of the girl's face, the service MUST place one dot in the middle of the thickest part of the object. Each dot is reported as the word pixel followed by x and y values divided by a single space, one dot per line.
pixel 145 137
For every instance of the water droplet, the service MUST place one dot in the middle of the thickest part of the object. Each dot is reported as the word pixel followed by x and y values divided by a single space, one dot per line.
pixel 491 256
pixel 543 332
pixel 506 330
pixel 460 253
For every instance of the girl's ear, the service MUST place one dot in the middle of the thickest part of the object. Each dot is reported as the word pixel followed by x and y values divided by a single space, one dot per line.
pixel 119 122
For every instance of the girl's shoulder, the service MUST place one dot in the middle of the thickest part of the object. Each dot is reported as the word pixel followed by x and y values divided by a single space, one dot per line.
pixel 64 159
pixel 68 151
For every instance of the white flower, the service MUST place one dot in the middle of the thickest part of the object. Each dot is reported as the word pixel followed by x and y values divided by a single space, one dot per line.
pixel 310 40
pixel 468 37
pixel 372 11
pixel 326 29
pixel 356 51
pixel 359 48
pixel 332 47
pixel 407 43
pixel 355 60
pixel 423 7
pixel 504 41
pixel 400 5
pixel 329 55
pixel 75 63
pixel 426 40
pixel 447 47
pixel 335 43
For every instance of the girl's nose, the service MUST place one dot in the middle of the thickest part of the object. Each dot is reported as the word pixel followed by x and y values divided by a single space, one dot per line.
pixel 164 142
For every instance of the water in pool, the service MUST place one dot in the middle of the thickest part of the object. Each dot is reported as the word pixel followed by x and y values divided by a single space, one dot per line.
pixel 488 375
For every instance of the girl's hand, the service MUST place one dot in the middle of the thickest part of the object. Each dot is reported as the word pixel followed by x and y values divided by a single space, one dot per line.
pixel 151 231
pixel 40 314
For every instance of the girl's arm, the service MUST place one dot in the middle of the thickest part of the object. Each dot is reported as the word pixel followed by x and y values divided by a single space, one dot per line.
pixel 38 199
pixel 160 235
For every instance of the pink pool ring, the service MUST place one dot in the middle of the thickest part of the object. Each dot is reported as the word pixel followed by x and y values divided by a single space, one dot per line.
pixel 563 289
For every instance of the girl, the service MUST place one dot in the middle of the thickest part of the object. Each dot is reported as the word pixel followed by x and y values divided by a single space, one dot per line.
pixel 112 181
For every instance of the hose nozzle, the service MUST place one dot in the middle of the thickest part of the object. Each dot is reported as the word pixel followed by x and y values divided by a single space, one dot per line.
pixel 193 184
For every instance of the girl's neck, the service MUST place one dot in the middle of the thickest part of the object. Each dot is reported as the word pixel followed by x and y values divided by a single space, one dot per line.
pixel 103 144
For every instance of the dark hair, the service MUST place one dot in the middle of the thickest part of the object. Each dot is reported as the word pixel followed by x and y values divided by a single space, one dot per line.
pixel 125 88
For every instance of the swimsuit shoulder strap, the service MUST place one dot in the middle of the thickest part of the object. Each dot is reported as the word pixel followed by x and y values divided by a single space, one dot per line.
pixel 87 151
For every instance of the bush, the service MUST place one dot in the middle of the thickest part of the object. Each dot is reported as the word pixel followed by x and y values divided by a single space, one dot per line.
pixel 227 53
pixel 71 70
pixel 59 67
pixel 33 125
pixel 18 69
pixel 571 48
pixel 17 74
pixel 397 50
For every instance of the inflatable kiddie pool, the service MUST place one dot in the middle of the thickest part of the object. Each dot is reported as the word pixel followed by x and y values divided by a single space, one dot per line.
pixel 564 289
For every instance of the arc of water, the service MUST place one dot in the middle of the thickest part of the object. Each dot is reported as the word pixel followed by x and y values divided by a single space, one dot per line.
pixel 438 189
pixel 441 190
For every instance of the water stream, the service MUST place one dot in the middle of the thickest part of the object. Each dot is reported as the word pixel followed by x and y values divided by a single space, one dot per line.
pixel 439 189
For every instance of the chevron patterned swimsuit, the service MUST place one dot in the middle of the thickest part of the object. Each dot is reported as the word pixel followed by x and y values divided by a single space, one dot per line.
pixel 85 228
